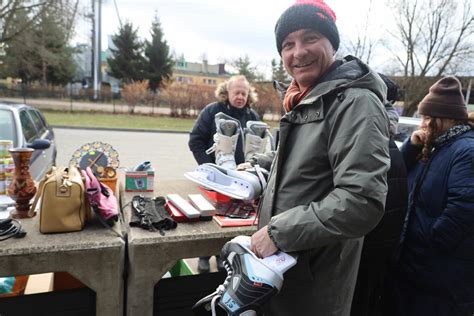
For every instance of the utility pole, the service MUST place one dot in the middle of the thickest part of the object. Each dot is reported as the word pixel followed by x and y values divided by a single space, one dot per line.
pixel 96 71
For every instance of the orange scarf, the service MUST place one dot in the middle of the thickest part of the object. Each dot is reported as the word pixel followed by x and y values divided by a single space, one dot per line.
pixel 294 95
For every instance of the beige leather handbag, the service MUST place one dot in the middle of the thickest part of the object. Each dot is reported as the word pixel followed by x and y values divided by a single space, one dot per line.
pixel 62 201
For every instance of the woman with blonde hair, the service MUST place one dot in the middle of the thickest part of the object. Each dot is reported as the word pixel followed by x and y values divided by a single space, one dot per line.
pixel 234 98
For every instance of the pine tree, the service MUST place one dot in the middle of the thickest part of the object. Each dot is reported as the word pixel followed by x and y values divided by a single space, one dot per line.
pixel 279 72
pixel 127 62
pixel 20 57
pixel 57 62
pixel 158 58
pixel 40 52
pixel 244 67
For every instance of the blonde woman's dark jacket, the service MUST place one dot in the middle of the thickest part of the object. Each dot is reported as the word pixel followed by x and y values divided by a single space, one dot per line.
pixel 201 136
pixel 327 188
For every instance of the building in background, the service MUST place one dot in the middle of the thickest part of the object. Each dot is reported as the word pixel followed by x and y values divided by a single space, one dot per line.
pixel 199 73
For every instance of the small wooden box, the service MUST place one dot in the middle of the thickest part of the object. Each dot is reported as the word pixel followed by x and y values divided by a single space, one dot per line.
pixel 110 182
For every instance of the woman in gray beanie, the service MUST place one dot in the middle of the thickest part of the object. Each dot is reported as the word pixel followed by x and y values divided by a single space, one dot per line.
pixel 435 268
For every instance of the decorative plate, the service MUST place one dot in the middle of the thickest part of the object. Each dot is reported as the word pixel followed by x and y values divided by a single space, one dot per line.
pixel 101 157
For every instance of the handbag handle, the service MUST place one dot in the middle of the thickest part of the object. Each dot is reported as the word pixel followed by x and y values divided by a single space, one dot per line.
pixel 31 212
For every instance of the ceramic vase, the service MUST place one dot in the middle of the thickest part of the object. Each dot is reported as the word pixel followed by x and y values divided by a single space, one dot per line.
pixel 22 188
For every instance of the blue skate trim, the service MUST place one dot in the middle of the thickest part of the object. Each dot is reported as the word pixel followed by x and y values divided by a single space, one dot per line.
pixel 230 303
pixel 252 275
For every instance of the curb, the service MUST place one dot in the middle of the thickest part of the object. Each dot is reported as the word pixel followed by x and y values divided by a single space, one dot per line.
pixel 141 130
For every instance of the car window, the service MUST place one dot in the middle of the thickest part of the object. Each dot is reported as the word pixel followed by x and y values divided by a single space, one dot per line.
pixel 28 127
pixel 38 121
pixel 7 126
pixel 404 131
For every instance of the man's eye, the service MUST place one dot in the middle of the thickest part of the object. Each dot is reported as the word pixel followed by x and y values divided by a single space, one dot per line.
pixel 312 38
pixel 287 45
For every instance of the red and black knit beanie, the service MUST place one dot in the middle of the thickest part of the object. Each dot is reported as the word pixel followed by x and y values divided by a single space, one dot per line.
pixel 307 14
pixel 445 100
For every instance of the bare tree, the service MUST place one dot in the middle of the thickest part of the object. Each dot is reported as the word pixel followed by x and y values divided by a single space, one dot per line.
pixel 8 11
pixel 433 38
pixel 364 45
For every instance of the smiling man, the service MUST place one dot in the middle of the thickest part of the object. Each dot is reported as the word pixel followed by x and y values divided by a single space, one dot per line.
pixel 328 186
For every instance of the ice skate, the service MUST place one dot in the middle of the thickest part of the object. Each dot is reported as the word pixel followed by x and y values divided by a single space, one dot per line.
pixel 249 284
pixel 257 139
pixel 225 140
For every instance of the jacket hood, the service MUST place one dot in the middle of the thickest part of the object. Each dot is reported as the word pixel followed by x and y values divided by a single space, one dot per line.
pixel 352 73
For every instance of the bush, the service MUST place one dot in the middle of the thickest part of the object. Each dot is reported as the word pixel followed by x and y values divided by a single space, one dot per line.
pixel 135 93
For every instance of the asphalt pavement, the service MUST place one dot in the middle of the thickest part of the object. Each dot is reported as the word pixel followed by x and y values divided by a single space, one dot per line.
pixel 168 152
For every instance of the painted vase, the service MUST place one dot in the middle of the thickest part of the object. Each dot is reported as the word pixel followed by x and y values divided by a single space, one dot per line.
pixel 22 188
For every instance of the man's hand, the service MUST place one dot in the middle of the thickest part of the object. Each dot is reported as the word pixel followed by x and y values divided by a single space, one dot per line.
pixel 418 137
pixel 244 166
pixel 261 243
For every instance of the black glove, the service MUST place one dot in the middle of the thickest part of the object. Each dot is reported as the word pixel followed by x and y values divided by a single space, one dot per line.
pixel 151 214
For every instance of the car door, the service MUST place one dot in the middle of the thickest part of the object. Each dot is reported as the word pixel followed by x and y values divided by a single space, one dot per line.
pixel 34 128
pixel 45 132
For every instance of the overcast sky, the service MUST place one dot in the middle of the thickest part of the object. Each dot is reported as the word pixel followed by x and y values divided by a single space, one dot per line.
pixel 225 30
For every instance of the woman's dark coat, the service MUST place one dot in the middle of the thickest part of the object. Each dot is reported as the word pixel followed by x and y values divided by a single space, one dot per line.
pixel 435 272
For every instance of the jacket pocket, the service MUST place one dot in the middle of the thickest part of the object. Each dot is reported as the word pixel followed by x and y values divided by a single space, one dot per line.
pixel 301 272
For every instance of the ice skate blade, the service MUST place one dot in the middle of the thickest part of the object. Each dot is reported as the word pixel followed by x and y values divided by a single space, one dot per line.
pixel 235 184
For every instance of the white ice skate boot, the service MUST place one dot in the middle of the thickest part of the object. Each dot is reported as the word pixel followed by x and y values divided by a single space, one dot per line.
pixel 225 140
pixel 257 138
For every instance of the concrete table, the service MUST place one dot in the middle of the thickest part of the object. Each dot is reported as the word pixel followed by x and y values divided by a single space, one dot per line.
pixel 152 255
pixel 95 256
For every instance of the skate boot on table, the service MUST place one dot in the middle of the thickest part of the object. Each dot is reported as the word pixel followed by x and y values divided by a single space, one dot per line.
pixel 257 136
pixel 225 140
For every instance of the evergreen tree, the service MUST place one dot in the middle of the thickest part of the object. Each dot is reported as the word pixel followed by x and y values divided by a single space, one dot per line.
pixel 159 61
pixel 127 62
pixel 57 63
pixel 21 57
pixel 279 72
pixel 244 67
pixel 41 52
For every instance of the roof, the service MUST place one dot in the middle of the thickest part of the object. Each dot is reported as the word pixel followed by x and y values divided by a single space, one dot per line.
pixel 6 104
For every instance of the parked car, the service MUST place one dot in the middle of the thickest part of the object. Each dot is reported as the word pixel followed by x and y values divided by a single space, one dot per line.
pixel 27 127
pixel 406 126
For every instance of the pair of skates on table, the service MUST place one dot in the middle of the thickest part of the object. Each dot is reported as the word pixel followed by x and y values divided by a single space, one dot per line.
pixel 222 176
pixel 250 281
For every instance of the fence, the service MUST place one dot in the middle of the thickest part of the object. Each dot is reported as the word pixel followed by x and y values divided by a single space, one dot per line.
pixel 177 100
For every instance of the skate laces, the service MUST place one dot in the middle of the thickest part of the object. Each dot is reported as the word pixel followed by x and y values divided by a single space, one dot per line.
pixel 217 294
pixel 225 127
pixel 222 287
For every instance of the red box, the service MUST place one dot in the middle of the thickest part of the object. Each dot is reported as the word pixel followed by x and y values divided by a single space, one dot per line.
pixel 176 214
pixel 215 196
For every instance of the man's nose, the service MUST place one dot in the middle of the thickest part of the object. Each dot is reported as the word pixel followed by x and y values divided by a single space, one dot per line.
pixel 300 50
